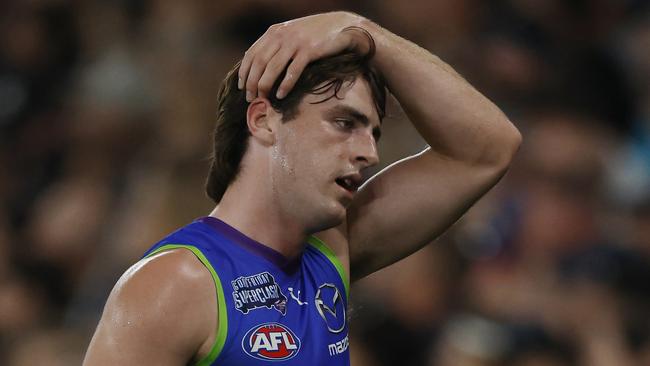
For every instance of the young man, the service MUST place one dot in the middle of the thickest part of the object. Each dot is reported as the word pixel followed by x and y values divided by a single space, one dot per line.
pixel 291 224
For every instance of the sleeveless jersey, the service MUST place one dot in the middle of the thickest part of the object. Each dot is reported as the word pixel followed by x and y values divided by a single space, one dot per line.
pixel 271 311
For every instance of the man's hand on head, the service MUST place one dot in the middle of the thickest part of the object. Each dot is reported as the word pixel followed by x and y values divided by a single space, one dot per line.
pixel 296 43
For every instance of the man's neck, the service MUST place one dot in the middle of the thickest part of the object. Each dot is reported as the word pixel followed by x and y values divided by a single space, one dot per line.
pixel 252 212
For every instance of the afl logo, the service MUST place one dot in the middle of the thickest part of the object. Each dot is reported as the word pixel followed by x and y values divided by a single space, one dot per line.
pixel 271 342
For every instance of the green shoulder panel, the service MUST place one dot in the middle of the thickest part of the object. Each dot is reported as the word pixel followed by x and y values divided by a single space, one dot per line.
pixel 329 253
pixel 222 329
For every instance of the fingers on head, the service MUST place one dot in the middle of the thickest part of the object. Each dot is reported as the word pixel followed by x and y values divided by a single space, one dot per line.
pixel 246 62
pixel 273 69
pixel 294 70
pixel 254 63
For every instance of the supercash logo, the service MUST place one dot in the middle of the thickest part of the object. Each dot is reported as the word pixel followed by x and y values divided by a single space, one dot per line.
pixel 271 342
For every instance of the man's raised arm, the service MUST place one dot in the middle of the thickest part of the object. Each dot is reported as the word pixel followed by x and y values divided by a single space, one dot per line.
pixel 471 142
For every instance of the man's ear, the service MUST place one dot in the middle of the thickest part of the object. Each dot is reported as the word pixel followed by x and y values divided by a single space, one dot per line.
pixel 260 117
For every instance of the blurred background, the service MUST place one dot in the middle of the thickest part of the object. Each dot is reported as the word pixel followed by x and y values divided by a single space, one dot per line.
pixel 106 115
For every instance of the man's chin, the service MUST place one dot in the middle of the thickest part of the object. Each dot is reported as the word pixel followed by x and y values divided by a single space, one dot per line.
pixel 331 217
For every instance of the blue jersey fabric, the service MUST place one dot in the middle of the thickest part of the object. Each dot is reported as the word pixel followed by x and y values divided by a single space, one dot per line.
pixel 277 311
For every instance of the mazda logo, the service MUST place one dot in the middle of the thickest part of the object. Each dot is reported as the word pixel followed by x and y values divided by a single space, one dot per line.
pixel 330 306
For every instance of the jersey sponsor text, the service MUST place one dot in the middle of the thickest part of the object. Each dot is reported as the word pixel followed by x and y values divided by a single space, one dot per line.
pixel 338 347
pixel 257 291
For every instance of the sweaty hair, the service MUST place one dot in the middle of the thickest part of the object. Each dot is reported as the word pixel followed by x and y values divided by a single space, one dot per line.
pixel 322 77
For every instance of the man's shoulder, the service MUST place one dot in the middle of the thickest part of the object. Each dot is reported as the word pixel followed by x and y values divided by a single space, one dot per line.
pixel 146 316
pixel 161 287
pixel 172 272
pixel 178 267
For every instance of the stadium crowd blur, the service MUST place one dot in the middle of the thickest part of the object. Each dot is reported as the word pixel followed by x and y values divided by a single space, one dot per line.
pixel 106 115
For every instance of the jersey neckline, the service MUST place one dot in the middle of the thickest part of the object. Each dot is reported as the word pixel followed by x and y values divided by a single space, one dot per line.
pixel 251 245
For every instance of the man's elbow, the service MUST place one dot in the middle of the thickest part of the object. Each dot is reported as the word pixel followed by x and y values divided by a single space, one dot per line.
pixel 503 148
pixel 513 142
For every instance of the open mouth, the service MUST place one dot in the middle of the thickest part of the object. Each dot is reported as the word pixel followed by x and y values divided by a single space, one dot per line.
pixel 348 183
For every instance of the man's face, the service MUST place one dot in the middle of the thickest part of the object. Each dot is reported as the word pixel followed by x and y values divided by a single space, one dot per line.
pixel 318 157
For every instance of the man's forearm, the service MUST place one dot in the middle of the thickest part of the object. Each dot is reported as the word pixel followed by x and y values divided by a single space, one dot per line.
pixel 454 118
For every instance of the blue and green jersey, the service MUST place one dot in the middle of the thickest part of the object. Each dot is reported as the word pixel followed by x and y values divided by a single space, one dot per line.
pixel 271 310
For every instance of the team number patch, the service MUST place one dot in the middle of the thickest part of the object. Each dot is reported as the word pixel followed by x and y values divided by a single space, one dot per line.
pixel 271 342
pixel 257 291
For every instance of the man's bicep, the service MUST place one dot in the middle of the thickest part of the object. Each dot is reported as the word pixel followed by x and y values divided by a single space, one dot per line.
pixel 146 321
pixel 121 344
pixel 408 205
pixel 119 340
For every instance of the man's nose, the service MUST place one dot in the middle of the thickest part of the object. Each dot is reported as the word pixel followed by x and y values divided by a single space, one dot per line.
pixel 366 151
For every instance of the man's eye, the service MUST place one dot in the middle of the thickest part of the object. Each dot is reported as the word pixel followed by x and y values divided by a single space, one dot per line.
pixel 344 123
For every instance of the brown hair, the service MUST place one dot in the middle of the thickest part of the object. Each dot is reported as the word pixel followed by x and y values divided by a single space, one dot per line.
pixel 319 77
